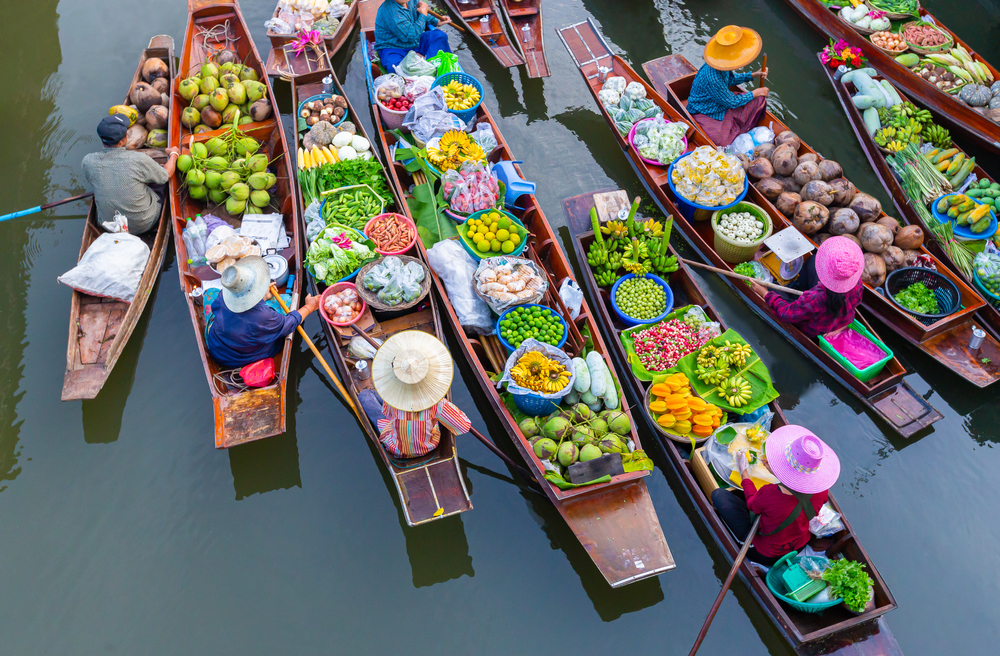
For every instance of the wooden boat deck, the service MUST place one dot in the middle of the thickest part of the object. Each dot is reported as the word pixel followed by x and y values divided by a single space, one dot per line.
pixel 804 631
pixel 887 395
pixel 528 13
pixel 434 488
pixel 956 114
pixel 615 521
pixel 945 340
pixel 99 328
pixel 282 42
pixel 258 413
pixel 989 313
pixel 497 40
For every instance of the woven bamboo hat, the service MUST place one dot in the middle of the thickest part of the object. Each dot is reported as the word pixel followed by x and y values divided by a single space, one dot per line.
pixel 412 371
pixel 732 47
pixel 245 283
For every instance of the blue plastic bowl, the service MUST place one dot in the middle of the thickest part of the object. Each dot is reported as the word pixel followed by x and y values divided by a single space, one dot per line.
pixel 472 251
pixel 463 78
pixel 318 96
pixel 686 207
pixel 964 232
pixel 352 275
pixel 629 321
pixel 507 345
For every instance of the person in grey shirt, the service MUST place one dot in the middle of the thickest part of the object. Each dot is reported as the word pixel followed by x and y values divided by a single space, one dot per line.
pixel 126 181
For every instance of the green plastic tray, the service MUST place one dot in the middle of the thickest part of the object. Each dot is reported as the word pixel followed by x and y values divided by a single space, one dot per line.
pixel 866 374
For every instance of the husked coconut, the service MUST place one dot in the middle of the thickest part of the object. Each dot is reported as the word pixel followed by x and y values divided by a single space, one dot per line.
pixel 789 183
pixel 894 258
pixel 853 238
pixel 143 96
pixel 806 172
pixel 844 222
pixel 830 170
pixel 866 207
pixel 875 237
pixel 810 217
pixel 818 191
pixel 760 168
pixel 160 84
pixel 770 188
pixel 156 117
pixel 135 137
pixel 764 150
pixel 809 157
pixel 909 238
pixel 784 159
pixel 787 202
pixel 788 137
pixel 843 191
pixel 153 68
pixel 874 272
pixel 890 223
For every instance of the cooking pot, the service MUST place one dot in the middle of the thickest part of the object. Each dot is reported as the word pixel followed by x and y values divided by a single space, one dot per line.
pixel 277 266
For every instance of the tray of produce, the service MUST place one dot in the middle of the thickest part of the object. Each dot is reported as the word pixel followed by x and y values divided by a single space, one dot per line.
pixel 971 218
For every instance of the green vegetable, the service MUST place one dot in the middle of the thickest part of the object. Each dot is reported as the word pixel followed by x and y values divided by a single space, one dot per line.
pixel 330 262
pixel 918 298
pixel 745 269
pixel 354 172
pixel 849 581
pixel 641 298
pixel 534 322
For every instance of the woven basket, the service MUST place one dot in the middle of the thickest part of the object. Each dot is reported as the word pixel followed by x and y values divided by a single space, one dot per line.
pixel 943 48
pixel 856 28
pixel 894 16
pixel 372 299
pixel 729 250
pixel 891 53
pixel 681 439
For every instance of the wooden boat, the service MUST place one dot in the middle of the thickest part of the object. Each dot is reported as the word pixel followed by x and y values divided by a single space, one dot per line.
pixel 470 14
pixel 887 394
pixel 802 630
pixel 433 487
pixel 614 521
pixel 883 170
pixel 99 327
pixel 253 414
pixel 525 20
pixel 283 42
pixel 945 340
pixel 955 114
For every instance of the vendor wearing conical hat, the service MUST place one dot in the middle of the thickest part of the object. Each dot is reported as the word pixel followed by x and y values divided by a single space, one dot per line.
pixel 721 113
pixel 412 372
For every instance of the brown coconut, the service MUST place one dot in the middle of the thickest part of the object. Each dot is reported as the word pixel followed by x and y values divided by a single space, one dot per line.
pixel 144 96
pixel 874 272
pixel 844 221
pixel 787 202
pixel 830 170
pixel 154 68
pixel 894 258
pixel 890 223
pixel 866 207
pixel 843 191
pixel 809 157
pixel 763 150
pixel 789 183
pixel 875 237
pixel 760 168
pixel 909 238
pixel 853 238
pixel 770 188
pixel 806 172
pixel 810 217
pixel 784 159
pixel 818 191
pixel 160 84
pixel 156 117
pixel 788 137
pixel 135 137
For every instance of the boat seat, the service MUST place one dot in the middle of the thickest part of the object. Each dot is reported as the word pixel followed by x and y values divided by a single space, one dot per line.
pixel 514 12
pixel 476 13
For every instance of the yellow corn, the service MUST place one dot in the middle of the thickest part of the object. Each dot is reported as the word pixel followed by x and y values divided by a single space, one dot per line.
pixel 301 159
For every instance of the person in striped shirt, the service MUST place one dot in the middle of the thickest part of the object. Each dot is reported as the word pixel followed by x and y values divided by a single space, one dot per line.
pixel 405 25
pixel 722 114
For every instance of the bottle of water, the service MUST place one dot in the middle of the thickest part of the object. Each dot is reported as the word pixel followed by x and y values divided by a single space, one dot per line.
pixel 202 227
pixel 194 244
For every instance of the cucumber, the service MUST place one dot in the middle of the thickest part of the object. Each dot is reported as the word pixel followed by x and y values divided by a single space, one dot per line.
pixel 862 101
pixel 871 120
pixel 890 91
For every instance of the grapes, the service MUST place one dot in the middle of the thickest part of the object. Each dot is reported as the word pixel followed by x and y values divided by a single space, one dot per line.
pixel 641 298
pixel 535 322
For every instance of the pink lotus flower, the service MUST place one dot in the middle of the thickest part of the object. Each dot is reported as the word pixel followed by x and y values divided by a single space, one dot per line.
pixel 304 39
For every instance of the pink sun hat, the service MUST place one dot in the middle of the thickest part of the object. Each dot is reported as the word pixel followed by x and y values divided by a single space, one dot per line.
pixel 801 461
pixel 839 264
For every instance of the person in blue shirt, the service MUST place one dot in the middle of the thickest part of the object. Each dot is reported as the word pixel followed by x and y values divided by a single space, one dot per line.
pixel 405 25
pixel 722 114
pixel 243 328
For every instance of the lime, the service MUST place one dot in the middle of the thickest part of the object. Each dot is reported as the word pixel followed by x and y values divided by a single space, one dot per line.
pixel 494 227
pixel 495 246
pixel 515 238
pixel 507 247
pixel 504 223
pixel 502 234
pixel 490 236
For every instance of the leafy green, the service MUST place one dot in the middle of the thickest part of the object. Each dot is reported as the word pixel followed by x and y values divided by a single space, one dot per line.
pixel 330 262
pixel 354 172
pixel 848 579
pixel 918 298
pixel 426 205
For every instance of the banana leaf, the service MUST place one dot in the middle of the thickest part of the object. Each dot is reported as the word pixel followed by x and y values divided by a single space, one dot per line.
pixel 761 388
pixel 426 206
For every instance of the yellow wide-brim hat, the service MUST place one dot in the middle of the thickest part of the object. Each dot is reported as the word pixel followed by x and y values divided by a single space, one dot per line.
pixel 732 47
pixel 412 371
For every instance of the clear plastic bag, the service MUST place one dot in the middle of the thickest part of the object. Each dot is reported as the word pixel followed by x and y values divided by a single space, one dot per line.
pixel 394 281
pixel 219 235
pixel 457 270
pixel 415 65
pixel 278 26
pixel 723 456
pixel 483 134
pixel 391 82
pixel 696 317
pixel 826 522
pixel 814 566
pixel 987 269
pixel 470 188
pixel 743 144
pixel 709 177
pixel 635 91
pixel 608 97
pixel 531 345
pixel 662 141
pixel 616 83
pixel 418 86
pixel 572 297
pixel 504 281
pixel 762 135
pixel 429 117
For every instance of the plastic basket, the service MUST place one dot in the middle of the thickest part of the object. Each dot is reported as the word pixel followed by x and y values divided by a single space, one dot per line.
pixel 631 321
pixel 333 289
pixel 866 374
pixel 731 251
pixel 948 297
pixel 631 142
pixel 778 588
pixel 319 96
pixel 693 211
pixel 464 240
pixel 391 118
pixel 464 78
pixel 534 405
pixel 964 233
pixel 507 345
pixel 992 298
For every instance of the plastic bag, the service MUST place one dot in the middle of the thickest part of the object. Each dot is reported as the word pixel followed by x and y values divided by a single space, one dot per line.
pixel 111 267
pixel 742 144
pixel 707 330
pixel 762 135
pixel 635 91
pixel 117 224
pixel 457 269
pixel 391 82
pixel 858 349
pixel 826 522
pixel 337 8
pixel 616 84
pixel 429 117
pixel 414 65
pixel 723 456
pixel 218 235
pixel 394 281
pixel 814 566
pixel 708 177
pixel 608 97
pixel 483 134
pixel 470 188
pixel 625 104
pixel 506 281
pixel 531 345
pixel 662 141
pixel 446 62
pixel 987 269
pixel 572 297
pixel 278 26
pixel 418 86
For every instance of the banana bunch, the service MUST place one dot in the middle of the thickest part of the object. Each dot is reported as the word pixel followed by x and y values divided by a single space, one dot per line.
pixel 884 135
pixel 736 391
pixel 635 258
pixel 938 136
pixel 597 255
pixel 738 353
pixel 707 356
pixel 665 263
pixel 460 96
pixel 712 376
pixel 898 115
pixel 650 228
pixel 614 230
pixel 605 278
pixel 538 373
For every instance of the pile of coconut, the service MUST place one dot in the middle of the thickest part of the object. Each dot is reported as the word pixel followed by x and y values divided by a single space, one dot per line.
pixel 821 203
pixel 149 98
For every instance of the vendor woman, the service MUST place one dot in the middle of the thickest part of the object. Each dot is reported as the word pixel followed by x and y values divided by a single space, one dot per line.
pixel 721 113
pixel 832 286
pixel 405 25
pixel 412 373
pixel 242 327
pixel 805 468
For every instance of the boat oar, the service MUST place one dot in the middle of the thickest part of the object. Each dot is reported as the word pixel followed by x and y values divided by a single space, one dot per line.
pixel 763 67
pixel 733 274
pixel 725 586
pixel 42 208
pixel 449 21
pixel 319 356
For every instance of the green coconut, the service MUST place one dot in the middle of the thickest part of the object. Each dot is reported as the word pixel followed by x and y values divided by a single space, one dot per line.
pixel 217 163
pixel 253 209
pixel 590 452
pixel 201 101
pixel 249 74
pixel 557 428
pixel 235 205
pixel 229 178
pixel 246 145
pixel 583 435
pixel 229 114
pixel 228 79
pixel 184 163
pixel 610 444
pixel 545 448
pixel 199 150
pixel 217 196
pixel 197 192
pixel 188 88
pixel 240 191
pixel 272 180
pixel 216 146
pixel 255 90
pixel 618 422
pixel 568 453
pixel 208 69
pixel 190 117
pixel 244 120
pixel 582 413
pixel 195 178
pixel 226 68
pixel 599 426
pixel 238 164
pixel 201 128
pixel 528 426
pixel 258 181
pixel 208 84
pixel 237 93
pixel 258 163
pixel 218 99
pixel 213 179
pixel 260 198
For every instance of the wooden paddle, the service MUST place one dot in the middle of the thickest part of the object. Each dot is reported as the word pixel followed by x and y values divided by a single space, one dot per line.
pixel 42 208
pixel 725 586
pixel 733 274
pixel 763 67
pixel 446 20
pixel 319 356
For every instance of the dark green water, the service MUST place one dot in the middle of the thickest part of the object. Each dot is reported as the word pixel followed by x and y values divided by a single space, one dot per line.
pixel 123 531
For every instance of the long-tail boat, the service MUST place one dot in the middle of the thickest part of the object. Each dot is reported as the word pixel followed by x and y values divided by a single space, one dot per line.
pixel 955 113
pixel 945 340
pixel 887 394
pixel 803 631
pixel 100 327
pixel 990 314
pixel 252 414
pixel 615 521
pixel 491 33
pixel 431 487
pixel 525 20
pixel 333 42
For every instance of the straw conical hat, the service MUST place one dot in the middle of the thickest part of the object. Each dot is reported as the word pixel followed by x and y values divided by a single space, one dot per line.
pixel 732 47
pixel 412 371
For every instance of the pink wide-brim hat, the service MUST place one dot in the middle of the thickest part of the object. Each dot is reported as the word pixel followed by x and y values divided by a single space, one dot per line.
pixel 839 264
pixel 801 461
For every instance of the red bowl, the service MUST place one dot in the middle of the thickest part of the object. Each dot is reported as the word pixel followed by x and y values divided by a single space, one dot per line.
pixel 333 289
